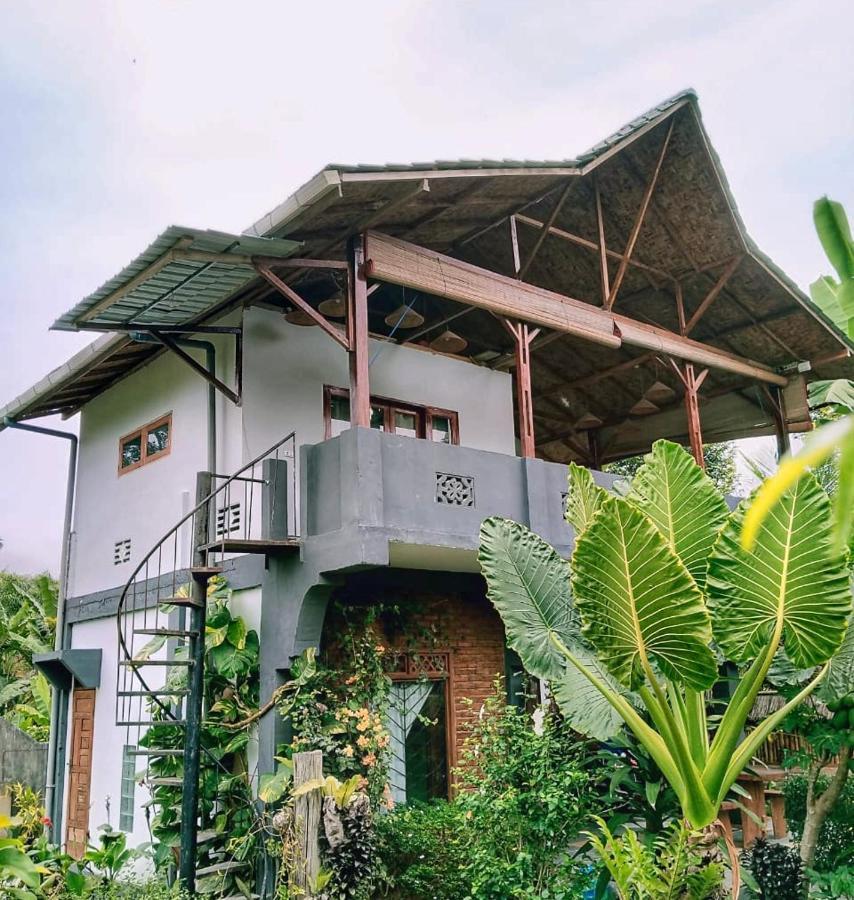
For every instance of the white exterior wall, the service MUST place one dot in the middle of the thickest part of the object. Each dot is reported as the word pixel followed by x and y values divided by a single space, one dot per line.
pixel 143 503
pixel 286 367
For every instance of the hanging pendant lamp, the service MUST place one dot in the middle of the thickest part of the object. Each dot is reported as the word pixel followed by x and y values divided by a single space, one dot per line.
pixel 449 342
pixel 299 317
pixel 404 317
pixel 334 307
pixel 659 392
pixel 588 420
pixel 644 407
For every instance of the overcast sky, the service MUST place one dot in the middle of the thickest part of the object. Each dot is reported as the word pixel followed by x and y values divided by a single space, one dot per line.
pixel 122 118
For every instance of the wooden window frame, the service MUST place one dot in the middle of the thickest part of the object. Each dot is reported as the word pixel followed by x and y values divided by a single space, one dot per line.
pixel 424 415
pixel 142 433
pixel 413 673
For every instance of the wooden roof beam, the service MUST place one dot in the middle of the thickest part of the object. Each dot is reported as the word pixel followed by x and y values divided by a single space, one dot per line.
pixel 591 245
pixel 548 224
pixel 639 220
pixel 399 262
pixel 710 298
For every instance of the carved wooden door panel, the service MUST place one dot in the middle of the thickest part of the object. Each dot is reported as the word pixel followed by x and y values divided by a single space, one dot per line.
pixel 80 771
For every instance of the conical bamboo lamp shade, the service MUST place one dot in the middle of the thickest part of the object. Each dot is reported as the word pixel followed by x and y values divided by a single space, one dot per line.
pixel 299 317
pixel 659 392
pixel 588 420
pixel 643 407
pixel 335 306
pixel 449 342
pixel 404 317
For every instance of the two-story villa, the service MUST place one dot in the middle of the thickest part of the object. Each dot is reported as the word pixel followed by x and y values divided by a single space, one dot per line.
pixel 388 356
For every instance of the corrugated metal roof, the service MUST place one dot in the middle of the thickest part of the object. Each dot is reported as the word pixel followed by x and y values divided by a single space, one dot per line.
pixel 180 278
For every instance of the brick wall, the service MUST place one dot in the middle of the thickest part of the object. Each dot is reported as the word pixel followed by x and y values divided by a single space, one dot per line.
pixel 459 620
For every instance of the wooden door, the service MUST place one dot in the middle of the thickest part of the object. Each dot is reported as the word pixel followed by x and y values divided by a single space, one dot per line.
pixel 80 771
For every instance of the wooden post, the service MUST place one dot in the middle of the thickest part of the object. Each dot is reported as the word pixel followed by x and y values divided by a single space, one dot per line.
pixel 692 382
pixel 523 335
pixel 357 336
pixel 779 411
pixel 308 766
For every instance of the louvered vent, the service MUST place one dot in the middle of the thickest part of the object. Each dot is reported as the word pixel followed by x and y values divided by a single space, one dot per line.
pixel 121 553
pixel 227 519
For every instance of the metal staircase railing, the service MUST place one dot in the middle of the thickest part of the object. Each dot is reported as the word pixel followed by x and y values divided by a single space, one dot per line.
pixel 161 613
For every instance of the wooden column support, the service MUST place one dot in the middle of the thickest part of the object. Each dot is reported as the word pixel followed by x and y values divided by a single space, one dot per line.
pixel 692 382
pixel 357 335
pixel 523 334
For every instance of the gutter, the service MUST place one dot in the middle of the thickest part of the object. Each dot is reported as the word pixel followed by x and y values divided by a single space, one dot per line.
pixel 59 699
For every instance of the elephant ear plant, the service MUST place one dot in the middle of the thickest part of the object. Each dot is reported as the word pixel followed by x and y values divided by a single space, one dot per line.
pixel 658 588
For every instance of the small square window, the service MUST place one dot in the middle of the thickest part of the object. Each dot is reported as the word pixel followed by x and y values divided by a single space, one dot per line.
pixel 157 439
pixel 132 451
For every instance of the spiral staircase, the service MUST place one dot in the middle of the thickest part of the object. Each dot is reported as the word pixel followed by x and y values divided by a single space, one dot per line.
pixel 161 626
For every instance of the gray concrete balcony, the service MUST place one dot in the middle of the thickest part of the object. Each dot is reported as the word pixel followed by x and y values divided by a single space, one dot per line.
pixel 379 499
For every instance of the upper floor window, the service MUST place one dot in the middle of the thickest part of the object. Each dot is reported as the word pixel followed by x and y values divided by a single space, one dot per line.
pixel 146 444
pixel 392 416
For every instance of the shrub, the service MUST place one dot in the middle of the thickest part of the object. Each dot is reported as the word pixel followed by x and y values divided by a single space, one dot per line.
pixel 776 869
pixel 524 796
pixel 424 851
pixel 835 845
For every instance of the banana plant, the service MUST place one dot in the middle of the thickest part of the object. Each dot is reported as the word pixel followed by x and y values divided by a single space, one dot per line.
pixel 657 594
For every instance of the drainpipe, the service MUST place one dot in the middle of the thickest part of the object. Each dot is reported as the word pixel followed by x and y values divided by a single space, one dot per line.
pixel 59 698
pixel 210 362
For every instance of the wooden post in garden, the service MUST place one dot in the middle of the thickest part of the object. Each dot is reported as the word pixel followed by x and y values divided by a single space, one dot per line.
pixel 307 767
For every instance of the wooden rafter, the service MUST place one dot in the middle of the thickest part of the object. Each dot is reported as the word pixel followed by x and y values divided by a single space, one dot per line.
pixel 523 335
pixel 290 294
pixel 710 298
pixel 639 220
pixel 603 247
pixel 523 271
pixel 591 245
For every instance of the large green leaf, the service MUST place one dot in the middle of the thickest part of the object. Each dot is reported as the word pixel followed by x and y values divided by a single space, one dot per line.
pixel 582 704
pixel 638 602
pixel 839 681
pixel 528 583
pixel 836 391
pixel 583 497
pixel 792 580
pixel 682 502
pixel 831 223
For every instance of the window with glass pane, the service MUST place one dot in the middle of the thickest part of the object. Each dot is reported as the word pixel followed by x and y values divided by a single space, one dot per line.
pixel 378 417
pixel 441 429
pixel 128 789
pixel 157 439
pixel 131 451
pixel 405 423
pixel 416 722
pixel 339 414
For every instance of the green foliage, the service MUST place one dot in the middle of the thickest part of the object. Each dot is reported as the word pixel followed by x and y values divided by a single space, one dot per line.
pixel 231 695
pixel 27 623
pixel 341 706
pixel 775 869
pixel 831 885
pixel 835 845
pixel 424 850
pixel 348 842
pixel 643 605
pixel 525 794
pixel 720 466
pixel 669 867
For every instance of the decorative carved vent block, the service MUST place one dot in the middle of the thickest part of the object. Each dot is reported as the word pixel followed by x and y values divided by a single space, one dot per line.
pixel 454 490
pixel 227 519
pixel 121 552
